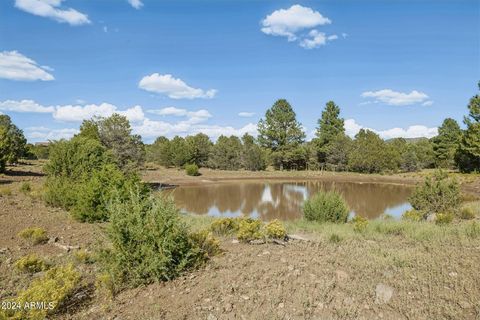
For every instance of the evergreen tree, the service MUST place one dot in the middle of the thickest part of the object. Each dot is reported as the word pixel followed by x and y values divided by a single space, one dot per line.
pixel 281 133
pixel 468 156
pixel 226 153
pixel 180 152
pixel 446 143
pixel 253 157
pixel 12 142
pixel 199 146
pixel 160 152
pixel 368 153
pixel 329 132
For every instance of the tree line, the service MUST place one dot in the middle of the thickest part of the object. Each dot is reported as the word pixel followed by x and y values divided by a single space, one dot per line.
pixel 280 143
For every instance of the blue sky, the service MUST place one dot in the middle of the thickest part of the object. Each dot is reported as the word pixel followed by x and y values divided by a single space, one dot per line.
pixel 182 67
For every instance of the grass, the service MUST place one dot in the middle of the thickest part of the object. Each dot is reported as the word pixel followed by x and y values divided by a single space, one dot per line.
pixel 377 230
pixel 34 234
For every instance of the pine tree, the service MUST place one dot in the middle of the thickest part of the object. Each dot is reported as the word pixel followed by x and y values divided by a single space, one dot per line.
pixel 468 155
pixel 281 133
pixel 445 145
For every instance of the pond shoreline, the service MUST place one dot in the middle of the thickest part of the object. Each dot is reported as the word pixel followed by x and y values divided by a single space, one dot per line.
pixel 177 177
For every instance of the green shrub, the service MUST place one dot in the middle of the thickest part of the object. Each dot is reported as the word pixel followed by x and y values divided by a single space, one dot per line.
pixel 31 263
pixel 225 226
pixel 467 213
pixel 250 229
pixel 437 194
pixel 95 193
pixel 275 230
pixel 149 242
pixel 34 235
pixel 443 218
pixel 192 170
pixel 326 207
pixel 360 224
pixel 60 192
pixel 390 228
pixel 54 287
pixel 473 230
pixel 206 242
pixel 413 215
pixel 25 187
pixel 83 256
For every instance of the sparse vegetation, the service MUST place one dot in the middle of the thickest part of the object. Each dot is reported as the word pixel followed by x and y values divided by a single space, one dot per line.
pixel 443 218
pixel 84 256
pixel 25 188
pixel 413 215
pixel 31 264
pixel 275 230
pixel 326 206
pixel 225 226
pixel 53 288
pixel 359 224
pixel 250 229
pixel 34 235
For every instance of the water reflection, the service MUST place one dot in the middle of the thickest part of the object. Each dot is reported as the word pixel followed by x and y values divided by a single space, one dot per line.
pixel 283 200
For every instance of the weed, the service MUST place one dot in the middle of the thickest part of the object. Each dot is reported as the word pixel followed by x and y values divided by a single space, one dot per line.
pixel 191 170
pixel 31 264
pixel 83 256
pixel 275 230
pixel 25 188
pixel 443 218
pixel 413 215
pixel 334 238
pixel 326 206
pixel 34 234
pixel 250 229
pixel 225 226
pixel 206 242
pixel 360 224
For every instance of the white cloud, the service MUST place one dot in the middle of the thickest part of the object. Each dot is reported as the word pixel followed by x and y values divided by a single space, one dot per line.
pixel 315 40
pixel 415 131
pixel 173 87
pixel 395 98
pixel 287 22
pixel 24 106
pixel 45 134
pixel 214 131
pixel 51 9
pixel 427 103
pixel 137 4
pixel 192 116
pixel 298 23
pixel 16 66
pixel 76 113
pixel 246 114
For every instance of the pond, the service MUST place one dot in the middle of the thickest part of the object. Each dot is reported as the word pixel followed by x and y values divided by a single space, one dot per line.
pixel 269 200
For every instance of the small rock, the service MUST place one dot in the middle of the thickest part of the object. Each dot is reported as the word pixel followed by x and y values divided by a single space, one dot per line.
pixel 464 305
pixel 245 297
pixel 281 305
pixel 228 307
pixel 53 239
pixel 3 250
pixel 8 261
pixel 290 267
pixel 341 275
pixel 258 241
pixel 453 274
pixel 235 241
pixel 383 293
pixel 431 217
pixel 266 253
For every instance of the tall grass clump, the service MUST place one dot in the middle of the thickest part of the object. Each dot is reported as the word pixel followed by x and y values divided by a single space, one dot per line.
pixel 437 194
pixel 34 234
pixel 326 206
pixel 149 242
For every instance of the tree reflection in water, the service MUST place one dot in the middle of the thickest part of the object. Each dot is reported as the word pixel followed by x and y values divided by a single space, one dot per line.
pixel 283 200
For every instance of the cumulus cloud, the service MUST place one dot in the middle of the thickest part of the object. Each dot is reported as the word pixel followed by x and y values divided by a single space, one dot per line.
pixel 45 134
pixel 173 87
pixel 297 23
pixel 52 9
pixel 73 113
pixel 192 116
pixel 287 22
pixel 395 98
pixel 246 114
pixel 137 4
pixel 16 66
pixel 24 106
pixel 415 131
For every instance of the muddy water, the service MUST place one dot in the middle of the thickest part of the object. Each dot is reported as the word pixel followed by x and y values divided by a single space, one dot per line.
pixel 283 200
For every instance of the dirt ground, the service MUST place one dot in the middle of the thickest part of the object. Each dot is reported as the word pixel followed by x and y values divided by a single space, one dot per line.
pixel 320 279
